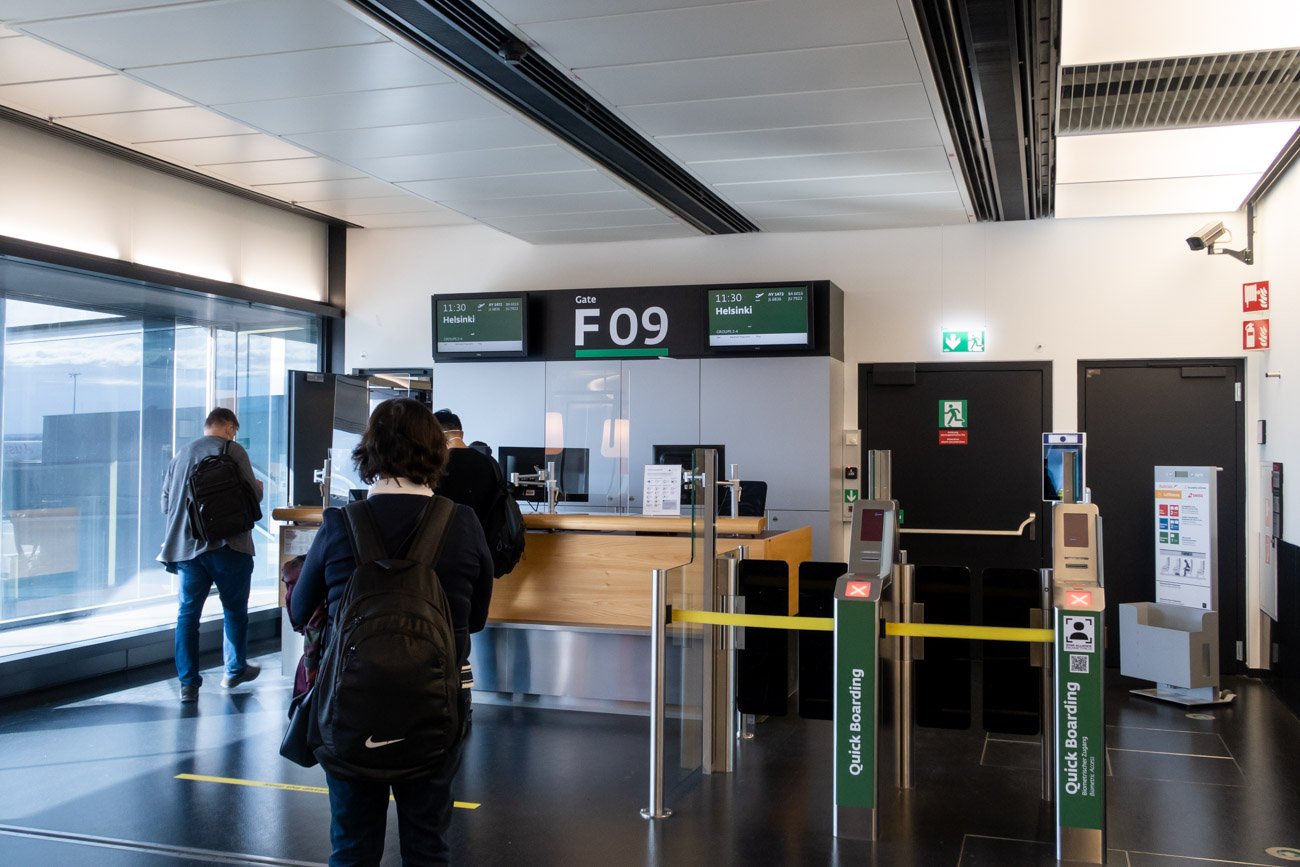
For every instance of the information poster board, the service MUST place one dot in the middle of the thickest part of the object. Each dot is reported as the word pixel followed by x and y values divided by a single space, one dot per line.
pixel 1185 536
pixel 662 490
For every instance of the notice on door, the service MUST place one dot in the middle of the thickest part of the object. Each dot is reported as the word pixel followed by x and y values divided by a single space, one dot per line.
pixel 1184 534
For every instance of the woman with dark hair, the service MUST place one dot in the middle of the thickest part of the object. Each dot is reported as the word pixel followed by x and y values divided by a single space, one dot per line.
pixel 402 454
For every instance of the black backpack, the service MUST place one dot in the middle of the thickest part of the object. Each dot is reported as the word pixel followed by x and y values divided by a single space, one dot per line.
pixel 387 695
pixel 220 500
pixel 504 528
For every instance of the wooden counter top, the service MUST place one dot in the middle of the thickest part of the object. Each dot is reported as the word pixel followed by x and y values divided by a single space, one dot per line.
pixel 637 524
pixel 297 514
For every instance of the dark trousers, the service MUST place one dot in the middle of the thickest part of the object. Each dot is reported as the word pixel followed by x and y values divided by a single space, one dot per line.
pixel 359 815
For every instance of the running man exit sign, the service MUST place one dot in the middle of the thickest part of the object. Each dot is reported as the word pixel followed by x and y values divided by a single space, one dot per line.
pixel 963 341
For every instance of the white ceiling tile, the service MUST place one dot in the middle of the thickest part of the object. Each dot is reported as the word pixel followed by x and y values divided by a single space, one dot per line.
pixel 24 10
pixel 71 97
pixel 189 32
pixel 591 220
pixel 829 139
pixel 311 191
pixel 851 105
pixel 283 171
pixel 23 59
pixel 394 204
pixel 474 164
pixel 1173 28
pixel 411 219
pixel 573 203
pixel 394 141
pixel 297 74
pixel 223 149
pixel 596 236
pixel 552 183
pixel 849 222
pixel 819 69
pixel 877 185
pixel 1171 153
pixel 402 106
pixel 888 206
pixel 529 11
pixel 1154 196
pixel 716 31
pixel 823 166
pixel 161 125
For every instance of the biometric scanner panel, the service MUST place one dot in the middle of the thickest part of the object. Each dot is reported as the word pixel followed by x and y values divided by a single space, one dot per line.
pixel 873 544
pixel 1076 555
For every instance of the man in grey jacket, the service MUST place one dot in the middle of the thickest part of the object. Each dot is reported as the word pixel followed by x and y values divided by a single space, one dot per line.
pixel 228 563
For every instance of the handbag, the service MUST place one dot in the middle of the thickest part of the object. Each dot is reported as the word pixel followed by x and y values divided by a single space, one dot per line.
pixel 301 737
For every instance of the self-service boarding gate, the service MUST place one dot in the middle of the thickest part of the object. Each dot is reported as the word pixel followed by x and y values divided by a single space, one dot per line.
pixel 873 549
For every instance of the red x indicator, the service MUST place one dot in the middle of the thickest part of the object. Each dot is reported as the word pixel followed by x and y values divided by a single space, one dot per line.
pixel 859 589
pixel 1078 599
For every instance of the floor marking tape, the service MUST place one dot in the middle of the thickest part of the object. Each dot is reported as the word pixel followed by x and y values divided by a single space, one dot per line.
pixel 289 787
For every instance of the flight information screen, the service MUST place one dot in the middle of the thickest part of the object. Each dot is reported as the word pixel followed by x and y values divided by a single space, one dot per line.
pixel 754 318
pixel 480 326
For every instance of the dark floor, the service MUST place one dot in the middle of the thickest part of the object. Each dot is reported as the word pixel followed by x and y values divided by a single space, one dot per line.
pixel 92 779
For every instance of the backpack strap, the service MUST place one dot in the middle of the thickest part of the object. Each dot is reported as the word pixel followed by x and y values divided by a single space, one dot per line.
pixel 363 533
pixel 431 532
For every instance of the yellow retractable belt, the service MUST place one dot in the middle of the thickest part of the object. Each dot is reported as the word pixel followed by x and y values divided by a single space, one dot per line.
pixel 288 787
pixel 827 624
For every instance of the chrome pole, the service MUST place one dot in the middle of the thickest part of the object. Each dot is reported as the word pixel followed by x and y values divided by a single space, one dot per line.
pixel 658 629
pixel 903 661
pixel 1049 691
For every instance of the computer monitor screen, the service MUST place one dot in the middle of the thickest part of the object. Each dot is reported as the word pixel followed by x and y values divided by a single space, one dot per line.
pixel 480 326
pixel 572 469
pixel 684 455
pixel 760 318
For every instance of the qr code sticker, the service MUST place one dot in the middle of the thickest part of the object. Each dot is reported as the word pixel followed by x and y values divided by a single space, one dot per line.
pixel 1078 663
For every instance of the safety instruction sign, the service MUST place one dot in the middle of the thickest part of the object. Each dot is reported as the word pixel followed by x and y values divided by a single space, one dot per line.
pixel 1184 525
pixel 963 341
pixel 1254 296
pixel 1255 334
pixel 953 414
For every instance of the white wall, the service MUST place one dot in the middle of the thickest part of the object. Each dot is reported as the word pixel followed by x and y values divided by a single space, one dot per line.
pixel 56 192
pixel 1052 290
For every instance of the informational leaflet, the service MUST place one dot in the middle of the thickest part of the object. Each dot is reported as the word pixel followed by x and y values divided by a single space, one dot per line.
pixel 662 490
pixel 1184 531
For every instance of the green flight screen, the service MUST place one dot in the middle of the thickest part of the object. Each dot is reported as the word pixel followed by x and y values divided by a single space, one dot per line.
pixel 742 318
pixel 479 325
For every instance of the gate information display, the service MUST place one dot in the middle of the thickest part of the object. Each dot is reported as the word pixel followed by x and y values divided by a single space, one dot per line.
pixel 479 325
pixel 740 318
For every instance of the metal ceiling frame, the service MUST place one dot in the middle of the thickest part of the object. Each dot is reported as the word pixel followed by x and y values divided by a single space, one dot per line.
pixel 478 47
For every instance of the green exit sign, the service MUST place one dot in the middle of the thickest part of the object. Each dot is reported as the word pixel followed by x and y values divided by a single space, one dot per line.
pixel 963 341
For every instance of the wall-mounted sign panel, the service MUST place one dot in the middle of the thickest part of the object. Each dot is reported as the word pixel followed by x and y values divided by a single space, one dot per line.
pixel 759 318
pixel 1255 334
pixel 480 326
pixel 963 341
pixel 1254 297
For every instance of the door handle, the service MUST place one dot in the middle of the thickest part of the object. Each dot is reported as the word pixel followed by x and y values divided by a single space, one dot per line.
pixel 1019 531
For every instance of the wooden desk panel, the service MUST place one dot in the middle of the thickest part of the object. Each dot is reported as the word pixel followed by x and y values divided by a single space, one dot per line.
pixel 637 523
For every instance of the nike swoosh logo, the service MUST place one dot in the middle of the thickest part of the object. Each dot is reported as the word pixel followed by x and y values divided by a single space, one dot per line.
pixel 371 743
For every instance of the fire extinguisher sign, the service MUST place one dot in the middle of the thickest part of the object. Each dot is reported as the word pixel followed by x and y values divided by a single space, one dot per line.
pixel 1255 334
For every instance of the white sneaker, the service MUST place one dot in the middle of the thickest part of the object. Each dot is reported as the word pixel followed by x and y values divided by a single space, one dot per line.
pixel 250 672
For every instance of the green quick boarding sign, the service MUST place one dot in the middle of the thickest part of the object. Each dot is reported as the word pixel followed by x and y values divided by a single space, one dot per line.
pixel 856 625
pixel 1080 743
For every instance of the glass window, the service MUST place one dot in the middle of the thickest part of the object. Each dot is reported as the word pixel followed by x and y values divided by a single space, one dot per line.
pixel 102 380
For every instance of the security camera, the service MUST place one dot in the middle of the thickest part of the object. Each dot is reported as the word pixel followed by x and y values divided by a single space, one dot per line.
pixel 1206 236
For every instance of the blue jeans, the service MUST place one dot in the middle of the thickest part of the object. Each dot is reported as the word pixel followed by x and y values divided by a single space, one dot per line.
pixel 232 572
pixel 359 815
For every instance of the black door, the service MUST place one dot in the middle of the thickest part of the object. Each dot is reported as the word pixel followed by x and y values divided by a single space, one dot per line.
pixel 1142 414
pixel 986 476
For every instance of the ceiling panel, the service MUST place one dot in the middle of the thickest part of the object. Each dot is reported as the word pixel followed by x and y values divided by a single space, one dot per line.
pixel 571 203
pixel 530 11
pixel 435 103
pixel 879 185
pixel 204 31
pixel 354 188
pixel 408 219
pixel 1154 196
pixel 853 222
pixel 597 236
pixel 224 149
pixel 591 220
pixel 824 166
pixel 393 204
pixel 716 31
pixel 351 145
pixel 474 164
pixel 850 105
pixel 283 171
pixel 14 10
pixel 828 139
pixel 77 96
pixel 298 74
pixel 897 206
pixel 1171 153
pixel 755 74
pixel 162 125
pixel 24 59
pixel 554 183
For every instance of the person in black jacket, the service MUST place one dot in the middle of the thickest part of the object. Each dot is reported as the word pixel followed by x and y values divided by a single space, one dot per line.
pixel 402 455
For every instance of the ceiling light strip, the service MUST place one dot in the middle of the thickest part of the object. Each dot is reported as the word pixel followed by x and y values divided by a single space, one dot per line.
pixel 465 38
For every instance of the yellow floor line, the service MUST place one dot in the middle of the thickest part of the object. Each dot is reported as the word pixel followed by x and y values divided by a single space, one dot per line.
pixel 289 787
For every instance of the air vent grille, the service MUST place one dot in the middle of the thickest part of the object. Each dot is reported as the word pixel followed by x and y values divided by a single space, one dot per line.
pixel 1180 92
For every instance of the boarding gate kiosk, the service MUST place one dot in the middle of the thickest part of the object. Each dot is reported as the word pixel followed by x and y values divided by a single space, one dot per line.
pixel 873 549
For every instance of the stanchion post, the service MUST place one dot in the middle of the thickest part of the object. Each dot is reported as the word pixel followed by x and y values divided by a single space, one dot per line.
pixel 903 675
pixel 1048 702
pixel 658 631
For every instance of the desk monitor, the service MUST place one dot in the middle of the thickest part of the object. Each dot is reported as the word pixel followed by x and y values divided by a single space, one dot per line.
pixel 684 455
pixel 571 469
pixel 480 326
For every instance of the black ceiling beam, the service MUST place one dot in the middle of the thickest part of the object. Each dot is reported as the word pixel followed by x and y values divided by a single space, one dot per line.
pixel 480 48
